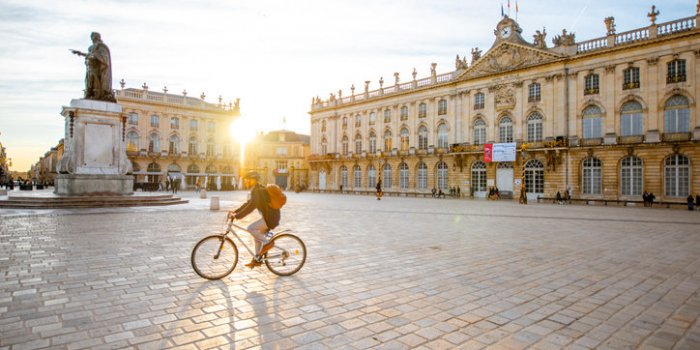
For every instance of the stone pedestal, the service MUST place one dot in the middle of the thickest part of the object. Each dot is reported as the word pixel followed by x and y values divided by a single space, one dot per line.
pixel 94 161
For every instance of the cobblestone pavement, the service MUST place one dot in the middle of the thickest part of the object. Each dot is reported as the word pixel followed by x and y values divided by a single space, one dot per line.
pixel 400 273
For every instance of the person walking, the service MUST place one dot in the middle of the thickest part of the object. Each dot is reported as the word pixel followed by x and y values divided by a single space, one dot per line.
pixel 379 189
pixel 691 202
pixel 697 202
pixel 270 218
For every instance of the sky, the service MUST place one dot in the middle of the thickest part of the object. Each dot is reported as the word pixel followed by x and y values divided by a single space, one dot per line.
pixel 274 55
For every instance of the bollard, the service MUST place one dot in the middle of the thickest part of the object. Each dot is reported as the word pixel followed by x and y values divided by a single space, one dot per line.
pixel 214 204
pixel 203 194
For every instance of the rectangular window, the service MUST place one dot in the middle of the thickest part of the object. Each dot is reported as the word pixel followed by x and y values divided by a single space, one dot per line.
pixel 534 93
pixel 174 123
pixel 155 121
pixel 281 164
pixel 372 118
pixel 404 113
pixel 592 128
pixel 194 124
pixel 133 119
pixel 281 151
pixel 211 127
pixel 387 116
pixel 358 121
pixel 592 85
pixel 631 124
pixel 631 76
pixel 479 101
pixel 442 107
pixel 676 71
pixel 422 110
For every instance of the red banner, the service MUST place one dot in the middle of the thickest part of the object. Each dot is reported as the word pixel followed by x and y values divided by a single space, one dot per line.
pixel 488 152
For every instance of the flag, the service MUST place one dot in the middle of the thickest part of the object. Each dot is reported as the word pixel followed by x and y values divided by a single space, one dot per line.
pixel 488 153
pixel 516 10
pixel 508 7
pixel 502 13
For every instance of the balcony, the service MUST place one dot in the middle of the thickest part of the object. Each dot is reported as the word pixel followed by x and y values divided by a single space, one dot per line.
pixel 679 78
pixel 676 136
pixel 631 139
pixel 591 91
pixel 595 141
pixel 630 85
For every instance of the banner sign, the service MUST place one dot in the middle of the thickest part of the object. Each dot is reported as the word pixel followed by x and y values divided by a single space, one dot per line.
pixel 488 153
pixel 503 152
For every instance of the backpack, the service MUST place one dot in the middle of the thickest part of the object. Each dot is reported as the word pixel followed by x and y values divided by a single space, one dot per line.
pixel 277 198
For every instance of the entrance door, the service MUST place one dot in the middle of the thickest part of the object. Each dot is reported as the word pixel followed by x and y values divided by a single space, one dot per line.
pixel 281 181
pixel 322 180
pixel 504 178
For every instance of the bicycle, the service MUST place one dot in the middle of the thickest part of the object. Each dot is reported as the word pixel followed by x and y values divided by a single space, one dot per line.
pixel 216 256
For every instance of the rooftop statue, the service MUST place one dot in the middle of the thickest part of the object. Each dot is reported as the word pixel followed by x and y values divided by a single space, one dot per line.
pixel 98 77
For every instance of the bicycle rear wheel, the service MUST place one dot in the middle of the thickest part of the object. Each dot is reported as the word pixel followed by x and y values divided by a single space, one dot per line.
pixel 214 257
pixel 287 256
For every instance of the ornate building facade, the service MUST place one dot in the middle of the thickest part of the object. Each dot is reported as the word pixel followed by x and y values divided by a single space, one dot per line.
pixel 280 157
pixel 180 137
pixel 607 118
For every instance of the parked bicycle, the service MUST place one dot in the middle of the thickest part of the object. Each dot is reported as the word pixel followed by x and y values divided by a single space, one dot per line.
pixel 215 257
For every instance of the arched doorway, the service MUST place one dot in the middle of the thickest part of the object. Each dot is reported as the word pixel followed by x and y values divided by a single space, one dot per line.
pixel 322 180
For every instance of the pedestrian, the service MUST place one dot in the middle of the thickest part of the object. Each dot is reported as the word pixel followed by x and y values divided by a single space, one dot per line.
pixel 651 199
pixel 458 192
pixel 434 191
pixel 379 189
pixel 645 198
pixel 559 198
pixel 697 201
pixel 341 188
pixel 691 202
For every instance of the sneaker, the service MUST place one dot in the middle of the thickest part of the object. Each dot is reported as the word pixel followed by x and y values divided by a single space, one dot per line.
pixel 269 235
pixel 253 263
pixel 266 248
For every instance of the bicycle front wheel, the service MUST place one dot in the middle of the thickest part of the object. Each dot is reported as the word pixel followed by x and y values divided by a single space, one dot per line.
pixel 214 257
pixel 287 256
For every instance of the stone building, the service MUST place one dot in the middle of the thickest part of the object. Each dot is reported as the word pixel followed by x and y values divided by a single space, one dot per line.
pixel 180 137
pixel 280 157
pixel 607 118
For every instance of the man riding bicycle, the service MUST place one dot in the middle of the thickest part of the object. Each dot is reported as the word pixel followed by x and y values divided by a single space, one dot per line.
pixel 259 199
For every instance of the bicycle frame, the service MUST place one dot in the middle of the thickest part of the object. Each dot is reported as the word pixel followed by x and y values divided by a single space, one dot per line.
pixel 229 229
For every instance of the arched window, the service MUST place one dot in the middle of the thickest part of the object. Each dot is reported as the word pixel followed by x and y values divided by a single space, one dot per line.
pixel 193 169
pixel 153 143
pixel 345 145
pixel 210 147
pixel 357 176
pixel 174 168
pixel 422 176
pixel 479 176
pixel 677 115
pixel 174 145
pixel 404 113
pixel 677 176
pixel 371 176
pixel 387 116
pixel 344 176
pixel 479 132
pixel 442 175
pixel 422 110
pixel 534 128
pixel 534 177
pixel 422 137
pixel 211 169
pixel 372 142
pixel 592 176
pixel 631 119
pixel 155 121
pixel 442 136
pixel 592 122
pixel 132 141
pixel 387 141
pixel 153 168
pixel 192 150
pixel 324 146
pixel 442 107
pixel 403 175
pixel 387 176
pixel 404 139
pixel 174 123
pixel 358 144
pixel 631 176
pixel 505 130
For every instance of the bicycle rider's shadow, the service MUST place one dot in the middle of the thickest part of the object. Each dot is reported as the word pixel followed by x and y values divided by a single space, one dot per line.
pixel 172 329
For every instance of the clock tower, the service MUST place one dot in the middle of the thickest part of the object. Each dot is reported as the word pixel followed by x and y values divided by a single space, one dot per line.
pixel 508 30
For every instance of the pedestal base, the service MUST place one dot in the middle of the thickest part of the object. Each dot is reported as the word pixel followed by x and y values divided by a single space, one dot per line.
pixel 94 185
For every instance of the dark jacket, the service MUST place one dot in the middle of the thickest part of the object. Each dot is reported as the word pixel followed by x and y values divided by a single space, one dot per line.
pixel 259 199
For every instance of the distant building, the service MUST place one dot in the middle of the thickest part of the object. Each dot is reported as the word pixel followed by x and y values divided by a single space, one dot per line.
pixel 280 157
pixel 4 165
pixel 607 118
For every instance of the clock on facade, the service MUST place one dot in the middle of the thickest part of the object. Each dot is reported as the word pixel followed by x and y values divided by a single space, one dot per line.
pixel 506 31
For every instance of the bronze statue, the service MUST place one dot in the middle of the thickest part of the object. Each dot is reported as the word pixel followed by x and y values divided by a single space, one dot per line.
pixel 98 78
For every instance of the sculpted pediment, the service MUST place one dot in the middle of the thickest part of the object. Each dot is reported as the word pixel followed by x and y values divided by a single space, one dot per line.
pixel 508 56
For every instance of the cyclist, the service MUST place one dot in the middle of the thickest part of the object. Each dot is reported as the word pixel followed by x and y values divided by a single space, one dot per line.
pixel 259 199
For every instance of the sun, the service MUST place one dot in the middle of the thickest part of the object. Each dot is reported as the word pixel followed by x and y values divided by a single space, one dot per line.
pixel 242 130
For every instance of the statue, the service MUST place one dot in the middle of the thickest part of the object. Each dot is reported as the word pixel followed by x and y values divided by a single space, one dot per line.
pixel 98 78
pixel 565 39
pixel 539 38
pixel 461 63
pixel 610 25
pixel 476 55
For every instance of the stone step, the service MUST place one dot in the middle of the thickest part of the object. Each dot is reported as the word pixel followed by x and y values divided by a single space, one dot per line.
pixel 90 202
